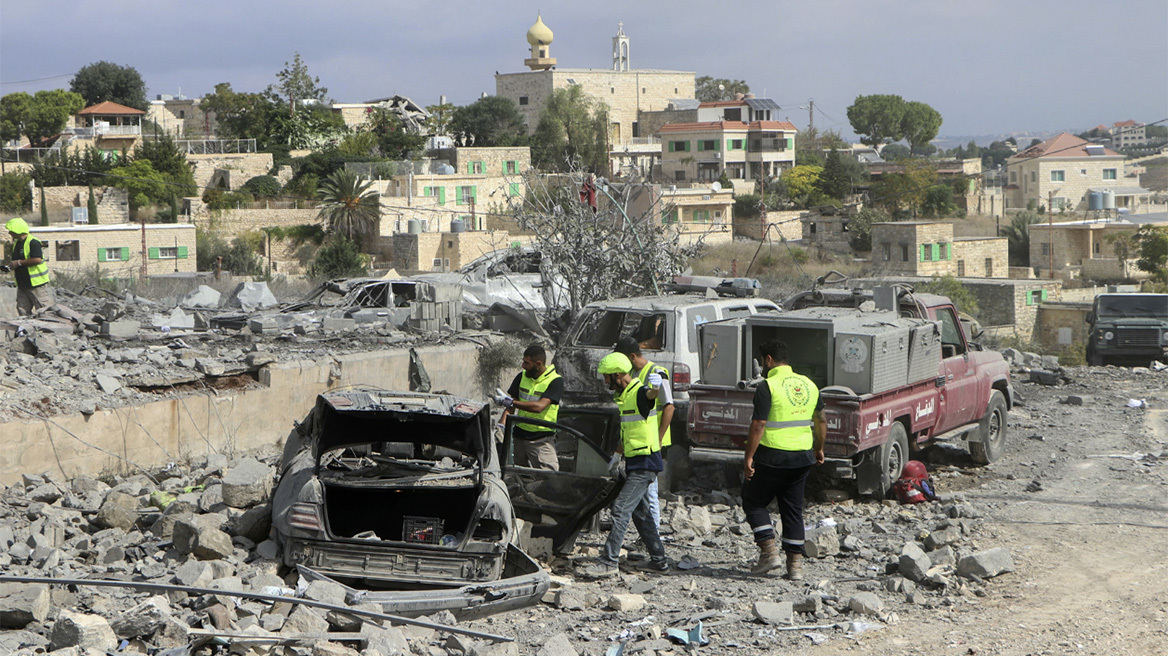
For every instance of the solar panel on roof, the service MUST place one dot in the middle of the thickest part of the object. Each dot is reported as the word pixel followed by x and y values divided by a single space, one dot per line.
pixel 761 103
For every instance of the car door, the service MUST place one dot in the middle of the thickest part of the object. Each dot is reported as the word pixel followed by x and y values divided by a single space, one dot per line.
pixel 559 503
pixel 958 394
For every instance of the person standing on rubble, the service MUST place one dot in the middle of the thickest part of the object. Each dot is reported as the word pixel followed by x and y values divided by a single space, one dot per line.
pixel 642 369
pixel 641 447
pixel 535 393
pixel 29 269
pixel 787 432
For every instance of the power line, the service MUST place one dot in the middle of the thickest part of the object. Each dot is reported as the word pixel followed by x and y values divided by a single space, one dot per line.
pixel 39 79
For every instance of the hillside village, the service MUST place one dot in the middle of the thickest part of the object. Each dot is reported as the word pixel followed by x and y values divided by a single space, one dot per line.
pixel 220 261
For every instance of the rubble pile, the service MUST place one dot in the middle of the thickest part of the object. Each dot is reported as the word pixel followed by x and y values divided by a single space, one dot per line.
pixel 209 527
pixel 105 351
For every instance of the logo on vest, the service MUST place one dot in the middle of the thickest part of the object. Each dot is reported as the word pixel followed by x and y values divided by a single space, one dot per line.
pixel 797 392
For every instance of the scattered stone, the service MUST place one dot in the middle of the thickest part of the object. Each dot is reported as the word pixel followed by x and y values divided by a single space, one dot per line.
pixel 774 613
pixel 914 563
pixel 629 603
pixel 107 384
pixel 942 537
pixel 120 329
pixel 1079 399
pixel 986 564
pixel 202 297
pixel 22 604
pixel 866 603
pixel 119 510
pixel 821 542
pixel 143 619
pixel 247 484
pixel 557 645
pixel 812 603
pixel 82 630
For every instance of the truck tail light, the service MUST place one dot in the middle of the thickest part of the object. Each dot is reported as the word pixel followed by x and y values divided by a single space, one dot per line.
pixel 681 379
pixel 305 516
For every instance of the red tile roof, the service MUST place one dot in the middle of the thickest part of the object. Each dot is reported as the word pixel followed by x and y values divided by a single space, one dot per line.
pixel 108 108
pixel 709 126
pixel 1065 145
pixel 722 103
pixel 1126 124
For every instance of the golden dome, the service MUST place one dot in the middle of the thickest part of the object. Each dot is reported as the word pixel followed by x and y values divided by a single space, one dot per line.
pixel 539 34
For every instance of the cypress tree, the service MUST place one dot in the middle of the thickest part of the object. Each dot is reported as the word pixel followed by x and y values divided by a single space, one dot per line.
pixel 834 181
pixel 44 208
pixel 92 205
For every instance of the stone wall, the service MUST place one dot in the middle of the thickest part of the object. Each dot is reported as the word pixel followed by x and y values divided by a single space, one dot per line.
pixel 228 170
pixel 650 122
pixel 827 232
pixel 1062 324
pixel 786 223
pixel 234 222
pixel 113 204
pixel 494 160
pixel 981 258
pixel 897 248
pixel 1013 304
pixel 415 253
pixel 226 422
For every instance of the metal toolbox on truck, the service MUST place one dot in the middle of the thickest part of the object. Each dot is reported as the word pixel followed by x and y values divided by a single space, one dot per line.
pixel 873 358
pixel 722 355
pixel 924 353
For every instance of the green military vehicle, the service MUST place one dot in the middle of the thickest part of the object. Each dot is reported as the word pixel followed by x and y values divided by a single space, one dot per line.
pixel 1128 329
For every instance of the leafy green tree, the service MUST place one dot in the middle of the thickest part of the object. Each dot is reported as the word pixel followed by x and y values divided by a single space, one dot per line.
pixel 878 119
pixel 38 116
pixel 295 86
pixel 103 80
pixel 1153 245
pixel 339 257
pixel 802 185
pixel 834 180
pixel 72 167
pixel 1017 234
pixel 811 143
pixel 262 186
pixel 311 127
pixel 860 228
pixel 709 89
pixel 938 202
pixel 919 125
pixel 349 208
pixel 572 133
pixel 905 190
pixel 489 121
pixel 895 152
pixel 395 140
pixel 996 155
pixel 15 192
pixel 438 122
pixel 168 159
pixel 91 206
pixel 962 297
pixel 143 184
pixel 241 115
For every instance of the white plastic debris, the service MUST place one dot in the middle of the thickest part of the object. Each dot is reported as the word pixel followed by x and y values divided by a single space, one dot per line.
pixel 1137 403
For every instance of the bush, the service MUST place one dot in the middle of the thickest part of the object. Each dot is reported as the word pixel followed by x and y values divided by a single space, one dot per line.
pixel 15 194
pixel 239 257
pixel 957 292
pixel 338 258
pixel 262 186
pixel 220 199
pixel 496 359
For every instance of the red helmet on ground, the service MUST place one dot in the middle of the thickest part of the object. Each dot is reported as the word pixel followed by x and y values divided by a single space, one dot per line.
pixel 914 469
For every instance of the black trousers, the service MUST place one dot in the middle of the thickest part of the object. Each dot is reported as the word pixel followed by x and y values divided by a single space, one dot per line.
pixel 786 485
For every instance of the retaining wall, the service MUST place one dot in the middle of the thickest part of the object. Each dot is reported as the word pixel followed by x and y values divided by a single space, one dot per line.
pixel 173 430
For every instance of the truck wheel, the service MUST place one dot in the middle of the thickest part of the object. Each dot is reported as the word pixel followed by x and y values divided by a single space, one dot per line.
pixel 893 456
pixel 993 432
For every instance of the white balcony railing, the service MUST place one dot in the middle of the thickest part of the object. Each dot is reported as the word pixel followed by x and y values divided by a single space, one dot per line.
pixel 118 130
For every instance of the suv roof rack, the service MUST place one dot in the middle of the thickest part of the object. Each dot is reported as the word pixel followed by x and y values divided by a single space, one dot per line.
pixel 739 287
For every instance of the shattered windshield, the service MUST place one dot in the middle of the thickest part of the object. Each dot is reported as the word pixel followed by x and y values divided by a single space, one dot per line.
pixel 604 327
pixel 1133 306
pixel 400 461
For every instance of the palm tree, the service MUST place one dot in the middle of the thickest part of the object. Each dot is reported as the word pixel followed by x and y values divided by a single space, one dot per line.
pixel 1018 234
pixel 349 208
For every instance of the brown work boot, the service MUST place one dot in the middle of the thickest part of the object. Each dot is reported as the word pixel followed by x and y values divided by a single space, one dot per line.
pixel 768 558
pixel 794 567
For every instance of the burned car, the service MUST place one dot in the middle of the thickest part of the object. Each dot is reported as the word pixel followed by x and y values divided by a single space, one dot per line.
pixel 402 494
pixel 514 276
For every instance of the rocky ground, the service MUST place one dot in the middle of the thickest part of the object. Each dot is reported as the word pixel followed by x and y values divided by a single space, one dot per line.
pixel 1059 547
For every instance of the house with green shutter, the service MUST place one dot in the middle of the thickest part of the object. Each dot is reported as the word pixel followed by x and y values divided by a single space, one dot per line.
pixel 116 250
pixel 703 151
pixel 925 248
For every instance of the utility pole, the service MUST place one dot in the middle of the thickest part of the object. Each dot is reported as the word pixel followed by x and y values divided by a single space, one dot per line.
pixel 811 117
pixel 1050 228
pixel 142 219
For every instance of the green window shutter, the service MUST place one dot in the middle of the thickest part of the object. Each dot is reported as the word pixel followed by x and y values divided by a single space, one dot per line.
pixel 441 195
pixel 790 144
pixel 729 145
pixel 514 188
pixel 152 253
pixel 924 252
pixel 936 252
pixel 469 168
pixel 182 252
pixel 687 146
pixel 458 196
pixel 1043 294
pixel 101 255
pixel 125 254
pixel 671 146
pixel 701 145
pixel 474 193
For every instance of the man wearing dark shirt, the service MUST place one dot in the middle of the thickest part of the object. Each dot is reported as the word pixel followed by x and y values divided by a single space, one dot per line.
pixel 28 268
pixel 787 432
pixel 535 393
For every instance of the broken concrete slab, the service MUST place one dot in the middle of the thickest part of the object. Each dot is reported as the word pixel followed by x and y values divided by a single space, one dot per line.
pixel 107 384
pixel 251 296
pixel 914 563
pixel 821 542
pixel 143 619
pixel 20 605
pixel 774 613
pixel 202 297
pixel 629 603
pixel 247 484
pixel 866 603
pixel 120 329
pixel 82 630
pixel 119 511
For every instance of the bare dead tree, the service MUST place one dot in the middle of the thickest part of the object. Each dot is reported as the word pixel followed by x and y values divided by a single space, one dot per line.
pixel 625 246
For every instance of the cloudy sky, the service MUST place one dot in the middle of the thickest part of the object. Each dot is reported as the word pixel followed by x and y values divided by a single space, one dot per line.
pixel 989 66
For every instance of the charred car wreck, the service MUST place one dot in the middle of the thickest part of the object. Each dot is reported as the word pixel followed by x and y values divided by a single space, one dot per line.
pixel 403 495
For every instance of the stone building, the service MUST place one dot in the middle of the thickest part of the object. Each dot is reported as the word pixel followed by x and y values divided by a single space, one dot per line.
pixel 109 127
pixel 705 151
pixel 181 117
pixel 116 251
pixel 921 248
pixel 1064 170
pixel 826 231
pixel 1082 249
pixel 626 91
pixel 700 214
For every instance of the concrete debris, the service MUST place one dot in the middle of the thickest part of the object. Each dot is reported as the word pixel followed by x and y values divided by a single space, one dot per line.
pixel 252 296
pixel 201 297
pixel 986 564
pixel 247 484
pixel 629 603
pixel 82 630
pixel 21 605
pixel 776 613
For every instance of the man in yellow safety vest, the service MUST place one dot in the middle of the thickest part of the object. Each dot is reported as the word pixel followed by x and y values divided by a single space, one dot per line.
pixel 535 393
pixel 641 448
pixel 786 438
pixel 28 268
pixel 642 369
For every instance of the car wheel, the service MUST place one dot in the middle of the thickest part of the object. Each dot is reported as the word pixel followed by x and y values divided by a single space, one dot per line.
pixel 893 456
pixel 993 432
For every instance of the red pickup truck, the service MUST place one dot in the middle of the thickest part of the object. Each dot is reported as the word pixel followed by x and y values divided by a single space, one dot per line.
pixel 963 392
